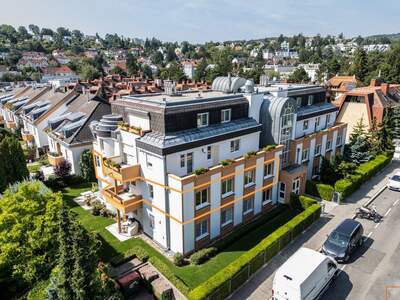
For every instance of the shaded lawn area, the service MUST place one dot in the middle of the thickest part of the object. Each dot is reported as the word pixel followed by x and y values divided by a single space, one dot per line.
pixel 191 275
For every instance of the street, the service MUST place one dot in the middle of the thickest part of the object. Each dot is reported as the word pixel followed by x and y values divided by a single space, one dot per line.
pixel 372 272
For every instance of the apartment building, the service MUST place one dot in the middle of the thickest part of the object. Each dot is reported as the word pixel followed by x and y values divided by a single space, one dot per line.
pixel 192 166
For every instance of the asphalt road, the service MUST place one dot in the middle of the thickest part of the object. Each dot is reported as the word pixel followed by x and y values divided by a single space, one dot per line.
pixel 374 269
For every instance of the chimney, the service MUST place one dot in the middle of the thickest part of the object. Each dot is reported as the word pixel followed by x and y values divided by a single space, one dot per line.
pixel 385 88
pixel 375 82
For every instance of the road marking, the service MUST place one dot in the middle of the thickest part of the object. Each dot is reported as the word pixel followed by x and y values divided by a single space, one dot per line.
pixel 369 234
pixel 388 212
pixel 376 226
pixel 395 203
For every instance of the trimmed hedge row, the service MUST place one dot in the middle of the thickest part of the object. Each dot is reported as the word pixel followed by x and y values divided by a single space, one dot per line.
pixel 223 283
pixel 166 271
pixel 320 190
pixel 363 172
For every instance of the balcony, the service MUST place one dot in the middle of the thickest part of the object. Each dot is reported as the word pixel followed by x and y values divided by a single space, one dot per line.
pixel 27 136
pixel 1 119
pixel 54 158
pixel 11 125
pixel 123 200
pixel 120 171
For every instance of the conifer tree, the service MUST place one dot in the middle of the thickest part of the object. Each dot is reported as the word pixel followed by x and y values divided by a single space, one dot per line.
pixel 385 133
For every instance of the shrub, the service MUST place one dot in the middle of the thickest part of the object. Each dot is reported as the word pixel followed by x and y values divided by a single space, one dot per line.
pixel 203 255
pixel 200 171
pixel 320 190
pixel 226 162
pixel 97 206
pixel 269 147
pixel 179 260
pixel 250 154
pixel 269 246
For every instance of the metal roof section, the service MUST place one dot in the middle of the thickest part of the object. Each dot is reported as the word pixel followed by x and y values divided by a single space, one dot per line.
pixel 228 84
pixel 161 141
pixel 318 108
pixel 107 126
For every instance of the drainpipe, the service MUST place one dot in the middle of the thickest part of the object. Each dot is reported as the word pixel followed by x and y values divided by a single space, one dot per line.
pixel 167 220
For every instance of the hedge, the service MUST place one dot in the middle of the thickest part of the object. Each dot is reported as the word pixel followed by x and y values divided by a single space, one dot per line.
pixel 364 172
pixel 166 271
pixel 223 283
pixel 320 190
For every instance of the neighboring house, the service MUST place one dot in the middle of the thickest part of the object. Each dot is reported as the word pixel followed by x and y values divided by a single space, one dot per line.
pixel 11 104
pixel 33 60
pixel 35 114
pixel 61 75
pixel 192 166
pixel 367 103
pixel 189 68
pixel 338 85
pixel 69 133
pixel 311 70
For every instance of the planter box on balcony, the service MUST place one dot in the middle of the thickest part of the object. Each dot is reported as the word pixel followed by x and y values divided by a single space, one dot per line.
pixel 54 160
pixel 27 137
pixel 124 173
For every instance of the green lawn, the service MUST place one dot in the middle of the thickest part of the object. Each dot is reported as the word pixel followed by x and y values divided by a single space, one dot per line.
pixel 191 275
pixel 34 167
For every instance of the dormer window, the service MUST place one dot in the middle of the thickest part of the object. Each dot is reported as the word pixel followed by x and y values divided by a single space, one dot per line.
pixel 310 100
pixel 202 120
pixel 226 115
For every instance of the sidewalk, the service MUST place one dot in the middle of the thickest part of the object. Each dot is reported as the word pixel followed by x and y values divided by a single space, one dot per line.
pixel 260 285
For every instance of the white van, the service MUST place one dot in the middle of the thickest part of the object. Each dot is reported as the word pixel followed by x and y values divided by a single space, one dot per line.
pixel 304 276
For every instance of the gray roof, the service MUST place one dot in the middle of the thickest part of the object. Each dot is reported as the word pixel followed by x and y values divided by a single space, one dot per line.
pixel 315 108
pixel 227 84
pixel 159 140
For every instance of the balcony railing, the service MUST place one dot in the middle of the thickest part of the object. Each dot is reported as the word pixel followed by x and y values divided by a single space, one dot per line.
pixel 121 172
pixel 122 200
pixel 27 136
pixel 54 158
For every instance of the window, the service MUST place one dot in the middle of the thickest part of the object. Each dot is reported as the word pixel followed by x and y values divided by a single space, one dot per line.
pixel 208 152
pixel 248 205
pixel 189 162
pixel 269 170
pixel 202 120
pixel 305 125
pixel 267 196
pixel 151 221
pixel 151 191
pixel 235 145
pixel 226 115
pixel 304 155
pixel 201 198
pixel 97 161
pixel 310 100
pixel 298 101
pixel 227 187
pixel 282 188
pixel 317 150
pixel 148 160
pixel 328 119
pixel 296 186
pixel 182 160
pixel 249 177
pixel 201 229
pixel 328 145
pixel 338 141
pixel 315 171
pixel 317 121
pixel 226 216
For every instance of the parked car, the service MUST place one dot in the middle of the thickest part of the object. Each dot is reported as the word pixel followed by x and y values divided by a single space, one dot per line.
pixel 344 240
pixel 306 275
pixel 394 182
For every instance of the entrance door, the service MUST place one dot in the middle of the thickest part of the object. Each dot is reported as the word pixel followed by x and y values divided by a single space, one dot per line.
pixel 296 186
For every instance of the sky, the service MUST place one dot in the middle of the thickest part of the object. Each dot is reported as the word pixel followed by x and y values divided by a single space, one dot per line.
pixel 207 20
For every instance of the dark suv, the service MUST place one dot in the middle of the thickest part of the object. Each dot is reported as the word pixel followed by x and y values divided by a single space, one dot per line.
pixel 344 240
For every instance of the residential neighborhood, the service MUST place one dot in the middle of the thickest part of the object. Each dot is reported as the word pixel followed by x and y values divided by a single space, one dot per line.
pixel 136 167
